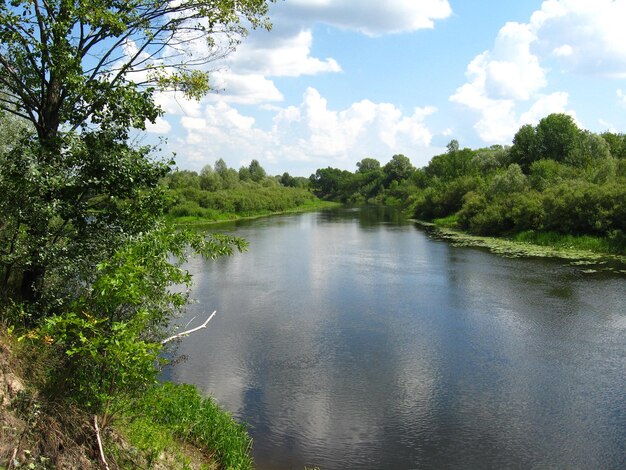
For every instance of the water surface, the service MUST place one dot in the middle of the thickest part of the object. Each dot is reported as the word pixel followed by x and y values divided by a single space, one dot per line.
pixel 349 339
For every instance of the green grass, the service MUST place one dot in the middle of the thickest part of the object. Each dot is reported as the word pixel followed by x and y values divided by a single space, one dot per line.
pixel 170 413
pixel 152 443
pixel 450 221
pixel 576 242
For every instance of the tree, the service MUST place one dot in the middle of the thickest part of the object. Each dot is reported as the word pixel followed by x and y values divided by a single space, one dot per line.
pixel 368 164
pixel 209 179
pixel 328 182
pixel 617 143
pixel 525 149
pixel 557 136
pixel 451 165
pixel 65 62
pixel 257 173
pixel 287 180
pixel 453 146
pixel 589 149
pixel 397 169
pixel 84 75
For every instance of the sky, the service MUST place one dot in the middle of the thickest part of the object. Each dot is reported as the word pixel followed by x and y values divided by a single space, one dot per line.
pixel 336 81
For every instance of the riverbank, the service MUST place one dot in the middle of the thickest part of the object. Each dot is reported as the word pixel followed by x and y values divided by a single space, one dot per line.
pixel 214 217
pixel 169 426
pixel 525 245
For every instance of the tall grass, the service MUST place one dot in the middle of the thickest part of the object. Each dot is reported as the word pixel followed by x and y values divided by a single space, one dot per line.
pixel 613 244
pixel 197 421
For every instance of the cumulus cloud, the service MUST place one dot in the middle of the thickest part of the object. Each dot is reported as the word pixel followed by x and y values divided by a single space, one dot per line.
pixel 248 88
pixel 586 37
pixel 581 36
pixel 310 135
pixel 160 126
pixel 246 75
pixel 372 17
pixel 281 56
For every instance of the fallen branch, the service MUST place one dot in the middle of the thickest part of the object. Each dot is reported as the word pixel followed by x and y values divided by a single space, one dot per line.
pixel 95 423
pixel 12 458
pixel 184 333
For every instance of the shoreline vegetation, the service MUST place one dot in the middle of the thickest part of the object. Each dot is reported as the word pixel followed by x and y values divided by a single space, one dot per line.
pixel 584 251
pixel 221 217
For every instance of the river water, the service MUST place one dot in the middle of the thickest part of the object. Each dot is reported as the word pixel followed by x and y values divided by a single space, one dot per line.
pixel 350 339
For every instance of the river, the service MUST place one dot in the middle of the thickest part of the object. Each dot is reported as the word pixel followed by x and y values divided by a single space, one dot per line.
pixel 350 339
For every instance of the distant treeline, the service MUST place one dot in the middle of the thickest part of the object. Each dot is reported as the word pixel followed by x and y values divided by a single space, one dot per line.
pixel 555 178
pixel 218 191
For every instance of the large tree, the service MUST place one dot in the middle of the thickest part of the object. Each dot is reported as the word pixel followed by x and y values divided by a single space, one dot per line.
pixel 67 62
pixel 84 74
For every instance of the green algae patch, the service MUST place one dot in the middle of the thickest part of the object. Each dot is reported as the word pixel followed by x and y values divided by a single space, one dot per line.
pixel 591 261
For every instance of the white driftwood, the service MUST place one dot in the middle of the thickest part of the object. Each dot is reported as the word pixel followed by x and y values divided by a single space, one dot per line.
pixel 104 461
pixel 186 332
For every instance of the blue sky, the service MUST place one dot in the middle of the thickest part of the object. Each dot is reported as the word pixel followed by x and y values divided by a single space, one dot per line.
pixel 339 80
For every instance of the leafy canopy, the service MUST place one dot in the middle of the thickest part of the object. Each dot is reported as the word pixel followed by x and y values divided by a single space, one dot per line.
pixel 78 62
pixel 83 74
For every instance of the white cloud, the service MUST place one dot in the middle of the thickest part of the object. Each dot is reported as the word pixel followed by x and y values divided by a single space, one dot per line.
pixel 192 123
pixel 312 135
pixel 243 88
pixel 288 57
pixel 245 76
pixel 586 36
pixel 563 51
pixel 582 36
pixel 160 126
pixel 324 133
pixel 545 105
pixel 371 17
pixel 174 103
pixel 511 70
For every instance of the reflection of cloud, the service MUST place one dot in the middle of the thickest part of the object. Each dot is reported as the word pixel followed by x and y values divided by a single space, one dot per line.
pixel 345 340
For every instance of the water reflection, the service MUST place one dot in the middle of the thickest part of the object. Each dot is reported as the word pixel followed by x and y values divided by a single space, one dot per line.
pixel 349 339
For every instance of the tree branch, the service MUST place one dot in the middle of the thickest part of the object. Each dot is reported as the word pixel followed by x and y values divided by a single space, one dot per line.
pixel 184 333
pixel 104 461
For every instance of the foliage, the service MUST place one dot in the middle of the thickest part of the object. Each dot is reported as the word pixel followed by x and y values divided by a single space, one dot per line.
pixel 62 61
pixel 83 75
pixel 217 193
pixel 60 218
pixel 556 178
pixel 83 258
pixel 110 337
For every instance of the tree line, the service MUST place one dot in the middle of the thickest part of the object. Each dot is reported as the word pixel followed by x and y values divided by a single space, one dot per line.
pixel 555 177
pixel 218 191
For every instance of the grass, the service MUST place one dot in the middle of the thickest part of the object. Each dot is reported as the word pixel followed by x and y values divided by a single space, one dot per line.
pixel 578 242
pixel 450 221
pixel 169 426
pixel 170 413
